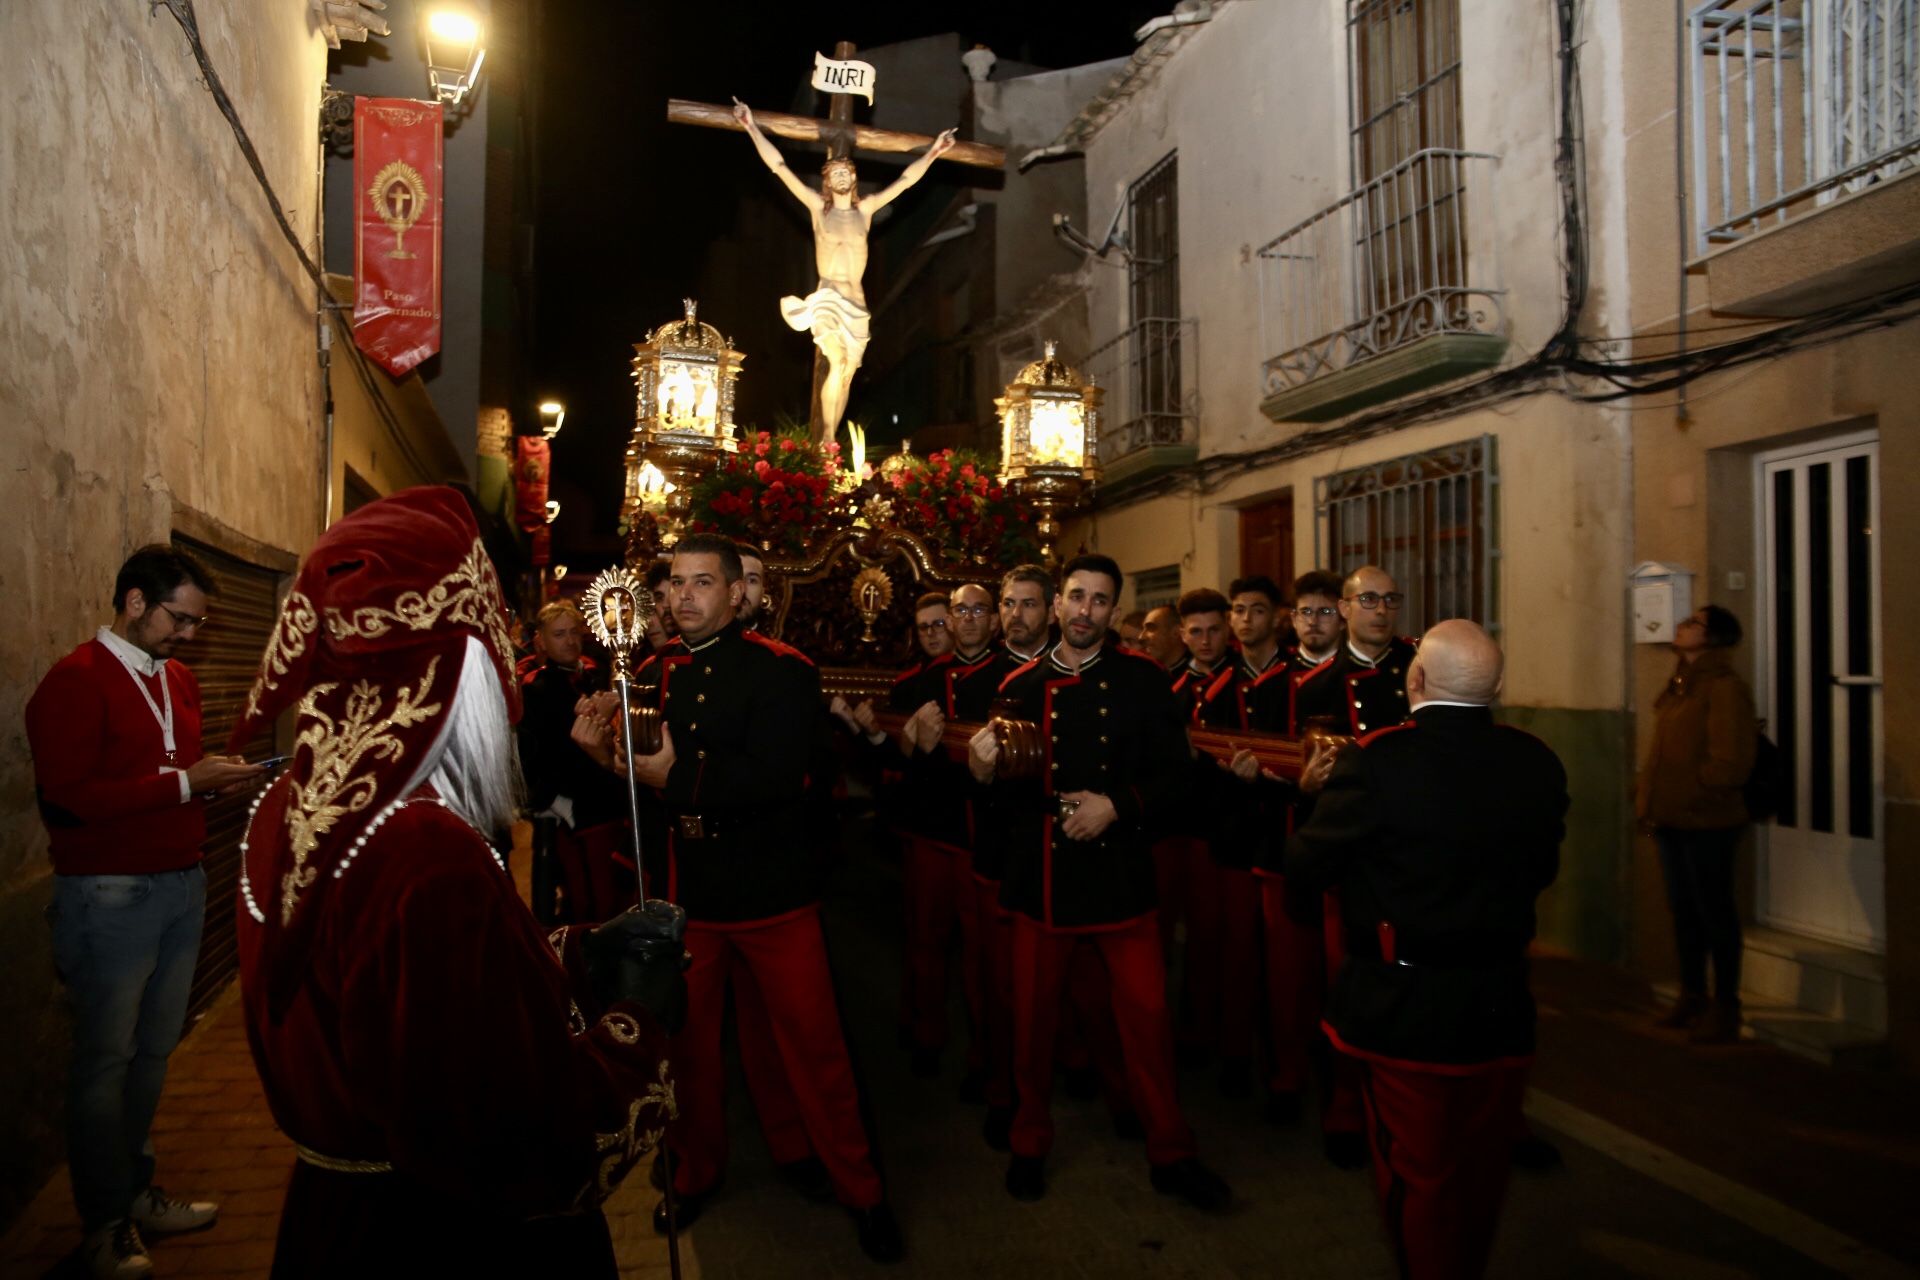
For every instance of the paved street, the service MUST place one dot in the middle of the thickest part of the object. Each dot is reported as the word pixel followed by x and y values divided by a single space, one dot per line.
pixel 1295 1216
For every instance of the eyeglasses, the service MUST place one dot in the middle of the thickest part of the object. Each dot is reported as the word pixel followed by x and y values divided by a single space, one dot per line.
pixel 1374 599
pixel 1320 611
pixel 971 610
pixel 183 621
pixel 927 628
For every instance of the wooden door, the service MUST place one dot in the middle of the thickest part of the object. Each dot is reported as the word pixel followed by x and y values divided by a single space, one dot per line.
pixel 1266 540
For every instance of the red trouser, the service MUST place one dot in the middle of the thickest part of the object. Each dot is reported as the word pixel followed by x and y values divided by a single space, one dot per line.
pixel 773 1101
pixel 1442 1141
pixel 1138 981
pixel 595 889
pixel 994 930
pixel 787 957
pixel 1223 960
pixel 1175 860
pixel 1296 988
pixel 939 902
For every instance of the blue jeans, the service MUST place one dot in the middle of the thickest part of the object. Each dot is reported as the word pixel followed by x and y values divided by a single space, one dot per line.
pixel 125 946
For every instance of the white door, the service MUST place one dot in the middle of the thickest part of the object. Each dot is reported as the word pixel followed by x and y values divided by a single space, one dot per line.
pixel 1822 868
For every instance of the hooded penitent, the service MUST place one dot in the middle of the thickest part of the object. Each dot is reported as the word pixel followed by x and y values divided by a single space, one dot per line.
pixel 368 649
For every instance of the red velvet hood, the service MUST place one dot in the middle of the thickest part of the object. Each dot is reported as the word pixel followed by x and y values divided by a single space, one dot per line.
pixel 369 647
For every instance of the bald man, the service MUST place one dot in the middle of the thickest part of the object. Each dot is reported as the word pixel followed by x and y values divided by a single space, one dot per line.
pixel 1439 834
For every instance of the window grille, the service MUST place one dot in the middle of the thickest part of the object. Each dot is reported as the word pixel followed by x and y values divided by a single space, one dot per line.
pixel 1428 519
pixel 1155 587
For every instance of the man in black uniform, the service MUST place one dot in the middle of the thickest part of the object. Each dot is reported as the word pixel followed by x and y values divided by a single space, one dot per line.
pixel 1317 627
pixel 1439 834
pixel 580 809
pixel 1026 603
pixel 1160 637
pixel 1113 755
pixel 741 714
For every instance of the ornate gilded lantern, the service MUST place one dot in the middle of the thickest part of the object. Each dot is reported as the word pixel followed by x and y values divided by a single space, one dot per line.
pixel 1049 424
pixel 683 419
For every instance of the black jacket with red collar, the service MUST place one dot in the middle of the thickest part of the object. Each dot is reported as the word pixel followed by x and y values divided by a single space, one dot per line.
pixel 745 714
pixel 1362 696
pixel 974 692
pixel 1111 728
pixel 933 803
pixel 1244 814
pixel 1439 834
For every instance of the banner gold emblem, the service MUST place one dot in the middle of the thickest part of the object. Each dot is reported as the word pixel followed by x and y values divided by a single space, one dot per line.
pixel 399 196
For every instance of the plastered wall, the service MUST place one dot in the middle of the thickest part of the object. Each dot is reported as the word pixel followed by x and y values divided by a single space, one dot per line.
pixel 159 339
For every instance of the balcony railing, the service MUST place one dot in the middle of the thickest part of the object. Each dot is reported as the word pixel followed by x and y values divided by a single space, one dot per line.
pixel 1379 270
pixel 1795 102
pixel 1151 378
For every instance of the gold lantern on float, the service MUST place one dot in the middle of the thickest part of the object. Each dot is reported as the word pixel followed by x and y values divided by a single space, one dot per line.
pixel 1049 424
pixel 683 415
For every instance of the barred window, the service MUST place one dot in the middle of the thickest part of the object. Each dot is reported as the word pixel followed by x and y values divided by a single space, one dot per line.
pixel 1155 587
pixel 1426 518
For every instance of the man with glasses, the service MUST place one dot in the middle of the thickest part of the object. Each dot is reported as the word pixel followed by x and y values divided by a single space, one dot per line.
pixel 1317 625
pixel 120 777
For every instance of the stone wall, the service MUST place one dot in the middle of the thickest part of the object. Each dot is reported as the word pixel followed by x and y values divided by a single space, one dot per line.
pixel 160 342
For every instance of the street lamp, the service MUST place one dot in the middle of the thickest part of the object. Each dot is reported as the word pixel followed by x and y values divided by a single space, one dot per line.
pixel 1049 424
pixel 552 415
pixel 683 413
pixel 454 53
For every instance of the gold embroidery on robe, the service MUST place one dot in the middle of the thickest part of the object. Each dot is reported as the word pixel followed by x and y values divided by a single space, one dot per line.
pixel 334 790
pixel 298 621
pixel 470 596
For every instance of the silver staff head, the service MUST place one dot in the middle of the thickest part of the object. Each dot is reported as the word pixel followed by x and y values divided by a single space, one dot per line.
pixel 620 610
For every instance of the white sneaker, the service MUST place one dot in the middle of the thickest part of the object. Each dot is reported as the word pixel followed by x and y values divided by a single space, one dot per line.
pixel 114 1252
pixel 158 1215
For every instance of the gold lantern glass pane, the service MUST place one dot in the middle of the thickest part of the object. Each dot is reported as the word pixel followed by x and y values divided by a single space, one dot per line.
pixel 688 397
pixel 1056 433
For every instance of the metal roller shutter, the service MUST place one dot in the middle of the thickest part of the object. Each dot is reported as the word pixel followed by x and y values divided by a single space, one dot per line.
pixel 223 658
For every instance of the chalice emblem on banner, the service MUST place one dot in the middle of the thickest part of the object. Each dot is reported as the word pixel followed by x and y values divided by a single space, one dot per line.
pixel 399 197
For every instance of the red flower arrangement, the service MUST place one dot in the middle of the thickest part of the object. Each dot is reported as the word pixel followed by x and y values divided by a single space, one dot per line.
pixel 773 493
pixel 956 503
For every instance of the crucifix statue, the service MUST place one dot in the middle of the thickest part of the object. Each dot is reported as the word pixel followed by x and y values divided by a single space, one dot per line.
pixel 835 312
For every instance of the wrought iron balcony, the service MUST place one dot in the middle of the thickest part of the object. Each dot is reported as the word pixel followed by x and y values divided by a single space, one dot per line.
pixel 1376 295
pixel 1150 417
pixel 1794 103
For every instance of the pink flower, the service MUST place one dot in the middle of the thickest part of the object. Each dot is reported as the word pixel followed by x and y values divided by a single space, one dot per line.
pixel 786 446
pixel 761 467
pixel 760 450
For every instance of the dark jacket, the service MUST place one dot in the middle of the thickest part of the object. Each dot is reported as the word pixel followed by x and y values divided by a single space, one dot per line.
pixel 552 763
pixel 1445 829
pixel 1243 815
pixel 1113 729
pixel 1704 733
pixel 1361 697
pixel 974 692
pixel 933 789
pixel 745 713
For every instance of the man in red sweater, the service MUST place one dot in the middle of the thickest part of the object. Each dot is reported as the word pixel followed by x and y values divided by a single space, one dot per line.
pixel 119 774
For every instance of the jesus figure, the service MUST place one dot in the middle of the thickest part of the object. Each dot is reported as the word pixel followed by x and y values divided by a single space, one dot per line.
pixel 836 311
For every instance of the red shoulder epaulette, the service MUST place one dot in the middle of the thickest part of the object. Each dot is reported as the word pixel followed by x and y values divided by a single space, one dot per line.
pixel 1221 681
pixel 1302 677
pixel 1368 740
pixel 1017 672
pixel 909 674
pixel 780 647
pixel 529 674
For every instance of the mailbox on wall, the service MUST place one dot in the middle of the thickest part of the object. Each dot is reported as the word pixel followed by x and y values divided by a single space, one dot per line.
pixel 1662 596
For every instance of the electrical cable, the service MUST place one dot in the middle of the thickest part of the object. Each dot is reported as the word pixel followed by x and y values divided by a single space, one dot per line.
pixel 182 11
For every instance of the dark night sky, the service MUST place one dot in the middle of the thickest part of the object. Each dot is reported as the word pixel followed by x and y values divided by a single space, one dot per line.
pixel 627 206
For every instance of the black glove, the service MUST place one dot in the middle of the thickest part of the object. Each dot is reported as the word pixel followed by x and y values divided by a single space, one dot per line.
pixel 638 956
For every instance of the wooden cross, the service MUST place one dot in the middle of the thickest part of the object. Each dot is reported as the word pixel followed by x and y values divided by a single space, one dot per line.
pixel 838 130
pixel 842 137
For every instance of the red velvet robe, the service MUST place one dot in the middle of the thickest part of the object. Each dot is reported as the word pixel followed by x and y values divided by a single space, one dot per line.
pixel 435 1027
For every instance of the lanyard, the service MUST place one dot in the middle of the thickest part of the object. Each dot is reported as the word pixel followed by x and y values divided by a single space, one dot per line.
pixel 164 721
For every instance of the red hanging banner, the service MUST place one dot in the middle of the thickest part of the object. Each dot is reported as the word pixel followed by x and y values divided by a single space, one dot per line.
pixel 396 241
pixel 530 482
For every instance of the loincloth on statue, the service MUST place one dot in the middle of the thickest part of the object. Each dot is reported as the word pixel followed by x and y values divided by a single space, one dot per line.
pixel 829 316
